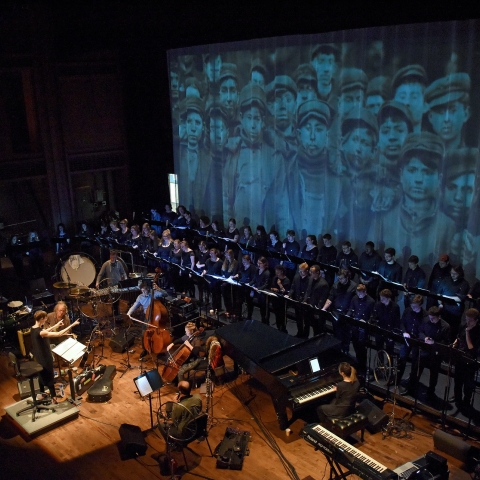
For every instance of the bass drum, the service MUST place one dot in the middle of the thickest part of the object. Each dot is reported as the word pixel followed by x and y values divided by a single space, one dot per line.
pixel 79 269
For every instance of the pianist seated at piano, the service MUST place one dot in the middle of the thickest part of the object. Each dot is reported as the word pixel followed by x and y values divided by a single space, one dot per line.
pixel 343 404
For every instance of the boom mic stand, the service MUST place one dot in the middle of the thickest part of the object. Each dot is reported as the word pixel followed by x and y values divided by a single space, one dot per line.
pixel 127 365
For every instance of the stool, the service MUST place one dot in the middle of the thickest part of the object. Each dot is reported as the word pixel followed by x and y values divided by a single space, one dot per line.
pixel 30 370
pixel 343 427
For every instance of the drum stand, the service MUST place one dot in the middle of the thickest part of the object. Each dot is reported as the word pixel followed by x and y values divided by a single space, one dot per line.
pixel 127 365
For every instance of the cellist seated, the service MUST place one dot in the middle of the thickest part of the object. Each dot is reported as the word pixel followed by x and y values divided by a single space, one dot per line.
pixel 194 340
pixel 141 305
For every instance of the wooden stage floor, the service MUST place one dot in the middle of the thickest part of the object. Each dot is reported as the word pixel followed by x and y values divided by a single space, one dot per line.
pixel 87 448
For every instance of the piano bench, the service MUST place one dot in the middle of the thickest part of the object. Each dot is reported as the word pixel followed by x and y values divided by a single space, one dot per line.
pixel 344 427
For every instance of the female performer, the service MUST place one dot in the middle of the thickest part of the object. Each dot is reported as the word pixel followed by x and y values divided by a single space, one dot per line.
pixel 343 404
pixel 229 269
pixel 41 349
pixel 310 250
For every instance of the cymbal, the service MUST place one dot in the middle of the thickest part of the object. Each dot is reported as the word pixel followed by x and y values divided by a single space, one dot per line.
pixel 64 285
pixel 78 291
pixel 134 275
pixel 15 304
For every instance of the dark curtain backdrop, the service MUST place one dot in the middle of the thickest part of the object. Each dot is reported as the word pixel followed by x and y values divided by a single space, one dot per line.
pixel 366 134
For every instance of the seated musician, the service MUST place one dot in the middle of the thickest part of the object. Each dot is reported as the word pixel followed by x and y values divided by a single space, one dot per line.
pixel 180 416
pixel 196 345
pixel 59 314
pixel 140 306
pixel 343 404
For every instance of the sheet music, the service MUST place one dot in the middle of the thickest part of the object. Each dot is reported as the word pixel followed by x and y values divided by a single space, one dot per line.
pixel 70 350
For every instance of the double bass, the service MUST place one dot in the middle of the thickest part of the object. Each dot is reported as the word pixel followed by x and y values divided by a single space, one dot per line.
pixel 156 338
pixel 171 368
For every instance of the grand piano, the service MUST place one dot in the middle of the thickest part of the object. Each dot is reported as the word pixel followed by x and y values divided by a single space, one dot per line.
pixel 297 373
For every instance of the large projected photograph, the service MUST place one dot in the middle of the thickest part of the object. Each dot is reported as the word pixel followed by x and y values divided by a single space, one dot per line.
pixel 369 135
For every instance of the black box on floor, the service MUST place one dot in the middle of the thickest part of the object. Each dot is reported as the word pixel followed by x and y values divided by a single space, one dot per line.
pixel 231 451
pixel 24 388
pixel 132 442
pixel 377 418
pixel 119 344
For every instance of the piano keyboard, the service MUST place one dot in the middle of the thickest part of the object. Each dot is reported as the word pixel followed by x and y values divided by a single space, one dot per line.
pixel 356 461
pixel 312 393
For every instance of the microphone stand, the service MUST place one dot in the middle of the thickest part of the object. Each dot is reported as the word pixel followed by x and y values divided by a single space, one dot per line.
pixel 127 365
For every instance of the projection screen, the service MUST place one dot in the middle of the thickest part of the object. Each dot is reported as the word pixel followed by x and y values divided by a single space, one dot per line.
pixel 366 134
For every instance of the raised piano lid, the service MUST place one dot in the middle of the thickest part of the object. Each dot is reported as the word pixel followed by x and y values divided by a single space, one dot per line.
pixel 274 350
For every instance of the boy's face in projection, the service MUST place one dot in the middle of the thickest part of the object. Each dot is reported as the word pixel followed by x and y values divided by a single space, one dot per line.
pixel 252 123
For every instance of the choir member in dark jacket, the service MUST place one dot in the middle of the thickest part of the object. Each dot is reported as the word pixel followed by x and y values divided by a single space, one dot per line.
pixel 387 315
pixel 245 275
pixel 281 286
pixel 327 255
pixel 317 296
pixel 390 270
pixel 432 330
pixel 339 299
pixel 298 291
pixel 369 261
pixel 261 281
pixel 410 323
pixel 468 341
pixel 454 286
pixel 361 308
pixel 414 277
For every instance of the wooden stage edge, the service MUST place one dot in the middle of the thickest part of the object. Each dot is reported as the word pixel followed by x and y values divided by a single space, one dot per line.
pixel 88 447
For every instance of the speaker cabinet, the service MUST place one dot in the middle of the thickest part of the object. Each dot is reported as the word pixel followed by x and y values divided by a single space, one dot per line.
pixel 132 442
pixel 119 344
pixel 454 446
pixel 377 418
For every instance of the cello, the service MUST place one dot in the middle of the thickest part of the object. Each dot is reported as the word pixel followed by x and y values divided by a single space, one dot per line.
pixel 173 364
pixel 156 338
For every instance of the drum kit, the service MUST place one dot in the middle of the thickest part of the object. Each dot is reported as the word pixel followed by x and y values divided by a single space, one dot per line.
pixel 76 274
pixel 16 312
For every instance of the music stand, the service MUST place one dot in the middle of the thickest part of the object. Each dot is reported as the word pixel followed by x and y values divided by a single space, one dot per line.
pixel 148 383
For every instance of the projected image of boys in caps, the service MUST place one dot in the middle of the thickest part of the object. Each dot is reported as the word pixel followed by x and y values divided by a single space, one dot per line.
pixel 358 148
pixel 378 91
pixel 458 190
pixel 448 101
pixel 195 161
pixel 417 221
pixel 395 124
pixel 325 59
pixel 256 171
pixel 258 73
pixel 217 125
pixel 305 77
pixel 228 93
pixel 408 87
pixel 281 96
pixel 312 185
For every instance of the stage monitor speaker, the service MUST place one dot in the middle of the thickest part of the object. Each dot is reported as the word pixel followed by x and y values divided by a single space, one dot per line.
pixel 377 418
pixel 454 446
pixel 119 344
pixel 132 442
pixel 437 465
